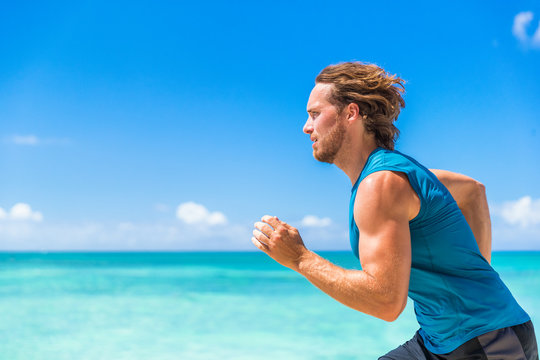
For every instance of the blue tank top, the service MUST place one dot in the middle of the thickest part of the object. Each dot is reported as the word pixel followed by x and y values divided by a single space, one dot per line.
pixel 457 295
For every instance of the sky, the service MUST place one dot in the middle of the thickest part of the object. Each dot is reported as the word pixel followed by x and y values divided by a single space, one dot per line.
pixel 176 125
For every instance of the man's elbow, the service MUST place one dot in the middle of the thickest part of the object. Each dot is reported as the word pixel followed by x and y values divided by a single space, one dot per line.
pixel 478 193
pixel 480 188
pixel 391 311
pixel 392 315
pixel 475 193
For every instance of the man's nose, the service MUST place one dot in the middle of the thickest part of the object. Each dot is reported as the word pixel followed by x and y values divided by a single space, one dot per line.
pixel 308 126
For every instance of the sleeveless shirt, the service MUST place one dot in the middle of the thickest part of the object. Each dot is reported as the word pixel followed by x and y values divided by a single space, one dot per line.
pixel 457 294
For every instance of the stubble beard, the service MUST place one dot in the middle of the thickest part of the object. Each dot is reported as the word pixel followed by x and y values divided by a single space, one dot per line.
pixel 330 144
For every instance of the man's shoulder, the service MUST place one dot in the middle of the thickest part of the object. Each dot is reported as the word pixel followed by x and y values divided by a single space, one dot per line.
pixel 385 196
pixel 383 180
pixel 385 186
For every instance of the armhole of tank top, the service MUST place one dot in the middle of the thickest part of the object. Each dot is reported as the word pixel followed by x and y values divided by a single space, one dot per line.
pixel 413 184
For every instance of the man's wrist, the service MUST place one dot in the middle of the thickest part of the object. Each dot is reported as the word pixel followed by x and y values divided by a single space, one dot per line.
pixel 304 261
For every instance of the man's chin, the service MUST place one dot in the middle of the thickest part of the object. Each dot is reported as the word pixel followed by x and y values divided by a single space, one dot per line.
pixel 323 159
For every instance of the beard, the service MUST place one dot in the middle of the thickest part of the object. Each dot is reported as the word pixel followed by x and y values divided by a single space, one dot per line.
pixel 328 146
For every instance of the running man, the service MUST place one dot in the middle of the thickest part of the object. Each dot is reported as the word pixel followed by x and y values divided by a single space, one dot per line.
pixel 413 235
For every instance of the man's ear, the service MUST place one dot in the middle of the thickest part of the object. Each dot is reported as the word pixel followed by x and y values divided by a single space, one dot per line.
pixel 353 112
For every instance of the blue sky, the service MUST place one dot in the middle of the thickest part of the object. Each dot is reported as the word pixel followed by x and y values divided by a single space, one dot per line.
pixel 175 126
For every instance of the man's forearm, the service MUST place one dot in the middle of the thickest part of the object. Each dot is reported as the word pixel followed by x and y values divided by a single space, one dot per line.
pixel 354 288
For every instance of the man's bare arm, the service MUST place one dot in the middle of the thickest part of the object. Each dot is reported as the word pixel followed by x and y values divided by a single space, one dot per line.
pixel 470 196
pixel 380 288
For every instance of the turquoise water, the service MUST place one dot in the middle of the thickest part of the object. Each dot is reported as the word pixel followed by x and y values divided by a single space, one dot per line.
pixel 197 306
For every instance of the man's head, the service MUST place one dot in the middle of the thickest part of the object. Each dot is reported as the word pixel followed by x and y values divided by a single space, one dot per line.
pixel 364 88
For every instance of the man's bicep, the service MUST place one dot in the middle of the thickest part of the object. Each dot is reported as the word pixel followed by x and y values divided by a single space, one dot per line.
pixel 386 251
pixel 382 215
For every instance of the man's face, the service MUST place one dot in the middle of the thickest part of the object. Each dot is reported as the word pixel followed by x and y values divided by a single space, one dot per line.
pixel 324 125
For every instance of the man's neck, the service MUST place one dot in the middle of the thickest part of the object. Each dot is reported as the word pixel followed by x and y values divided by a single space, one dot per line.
pixel 353 157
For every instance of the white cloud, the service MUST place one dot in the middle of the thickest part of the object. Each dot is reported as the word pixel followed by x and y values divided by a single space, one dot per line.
pixel 524 212
pixel 193 213
pixel 33 140
pixel 25 140
pixel 21 228
pixel 21 212
pixel 536 37
pixel 124 236
pixel 516 224
pixel 314 221
pixel 519 29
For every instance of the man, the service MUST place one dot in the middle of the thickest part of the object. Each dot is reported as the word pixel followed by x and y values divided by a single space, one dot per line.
pixel 406 229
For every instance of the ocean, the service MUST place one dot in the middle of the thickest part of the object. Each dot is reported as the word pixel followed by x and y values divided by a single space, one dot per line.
pixel 198 306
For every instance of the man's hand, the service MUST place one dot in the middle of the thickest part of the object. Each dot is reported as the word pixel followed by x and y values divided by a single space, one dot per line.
pixel 279 240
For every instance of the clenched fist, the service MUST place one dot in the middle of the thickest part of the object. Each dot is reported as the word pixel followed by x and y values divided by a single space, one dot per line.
pixel 279 240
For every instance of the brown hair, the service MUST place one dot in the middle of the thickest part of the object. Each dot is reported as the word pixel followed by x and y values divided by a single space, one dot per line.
pixel 377 94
